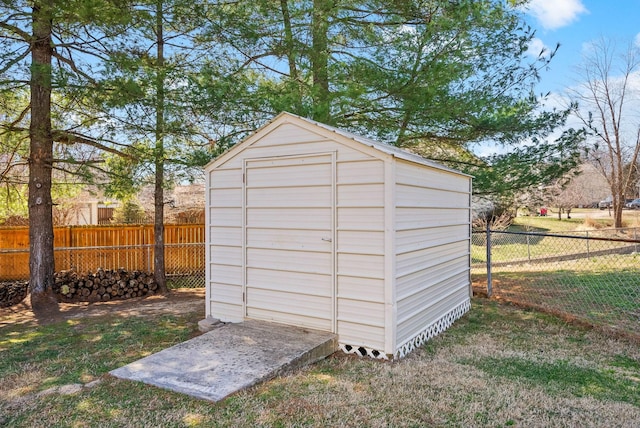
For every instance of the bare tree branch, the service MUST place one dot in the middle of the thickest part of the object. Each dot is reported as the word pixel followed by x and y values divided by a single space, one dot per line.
pixel 15 60
pixel 612 122
pixel 67 137
pixel 73 66
pixel 16 30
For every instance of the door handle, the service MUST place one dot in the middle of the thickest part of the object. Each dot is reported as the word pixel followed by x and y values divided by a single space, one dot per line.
pixel 327 239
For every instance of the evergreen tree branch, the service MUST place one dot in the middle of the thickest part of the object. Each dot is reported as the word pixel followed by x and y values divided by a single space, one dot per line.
pixel 15 61
pixel 73 66
pixel 24 36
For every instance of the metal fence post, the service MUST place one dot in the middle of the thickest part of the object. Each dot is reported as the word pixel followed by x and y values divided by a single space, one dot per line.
pixel 587 235
pixel 489 284
pixel 528 249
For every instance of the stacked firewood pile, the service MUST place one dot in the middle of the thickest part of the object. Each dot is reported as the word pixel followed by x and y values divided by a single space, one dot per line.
pixel 12 293
pixel 103 285
pixel 71 286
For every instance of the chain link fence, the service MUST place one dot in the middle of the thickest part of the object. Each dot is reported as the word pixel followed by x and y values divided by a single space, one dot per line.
pixel 181 274
pixel 184 263
pixel 590 276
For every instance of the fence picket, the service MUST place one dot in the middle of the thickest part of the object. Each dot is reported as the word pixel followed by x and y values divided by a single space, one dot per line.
pixel 113 246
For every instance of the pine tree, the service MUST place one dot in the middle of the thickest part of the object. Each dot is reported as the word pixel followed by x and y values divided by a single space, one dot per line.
pixel 39 40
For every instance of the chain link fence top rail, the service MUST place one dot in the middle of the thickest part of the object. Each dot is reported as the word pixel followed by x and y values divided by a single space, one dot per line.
pixel 593 276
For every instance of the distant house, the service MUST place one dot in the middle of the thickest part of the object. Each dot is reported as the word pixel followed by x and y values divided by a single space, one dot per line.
pixel 94 212
pixel 183 203
pixel 90 207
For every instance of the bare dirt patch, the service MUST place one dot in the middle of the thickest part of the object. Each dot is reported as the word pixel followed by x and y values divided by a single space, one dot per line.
pixel 176 302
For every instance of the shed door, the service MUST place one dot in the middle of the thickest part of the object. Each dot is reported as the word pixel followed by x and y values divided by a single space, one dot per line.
pixel 290 240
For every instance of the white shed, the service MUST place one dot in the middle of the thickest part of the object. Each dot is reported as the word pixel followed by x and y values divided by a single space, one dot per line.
pixel 312 226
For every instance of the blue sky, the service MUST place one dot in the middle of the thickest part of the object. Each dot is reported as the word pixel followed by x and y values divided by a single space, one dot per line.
pixel 574 23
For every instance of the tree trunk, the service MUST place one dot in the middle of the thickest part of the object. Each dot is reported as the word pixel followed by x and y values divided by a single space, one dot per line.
pixel 158 222
pixel 618 203
pixel 41 260
pixel 320 60
pixel 291 55
pixel 618 194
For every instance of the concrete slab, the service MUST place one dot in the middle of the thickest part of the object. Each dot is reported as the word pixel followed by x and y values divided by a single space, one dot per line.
pixel 230 358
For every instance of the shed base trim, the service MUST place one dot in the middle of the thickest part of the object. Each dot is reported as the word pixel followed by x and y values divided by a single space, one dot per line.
pixel 434 329
pixel 363 351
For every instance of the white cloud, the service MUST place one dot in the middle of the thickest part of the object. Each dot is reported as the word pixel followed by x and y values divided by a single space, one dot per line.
pixel 636 41
pixel 553 14
pixel 537 47
pixel 634 84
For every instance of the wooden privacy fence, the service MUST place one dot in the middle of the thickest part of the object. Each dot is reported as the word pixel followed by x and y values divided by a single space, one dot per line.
pixel 86 248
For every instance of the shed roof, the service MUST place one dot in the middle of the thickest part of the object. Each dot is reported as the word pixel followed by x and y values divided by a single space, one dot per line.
pixel 381 147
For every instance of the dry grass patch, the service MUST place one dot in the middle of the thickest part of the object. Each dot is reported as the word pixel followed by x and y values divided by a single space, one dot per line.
pixel 592 224
pixel 447 383
pixel 497 366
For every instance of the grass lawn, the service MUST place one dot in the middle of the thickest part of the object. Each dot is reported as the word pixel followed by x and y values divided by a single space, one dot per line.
pixel 519 247
pixel 594 281
pixel 602 291
pixel 550 224
pixel 497 366
pixel 580 216
pixel 510 248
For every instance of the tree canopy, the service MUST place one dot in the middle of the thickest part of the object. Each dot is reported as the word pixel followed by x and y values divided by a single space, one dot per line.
pixel 149 89
pixel 436 77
